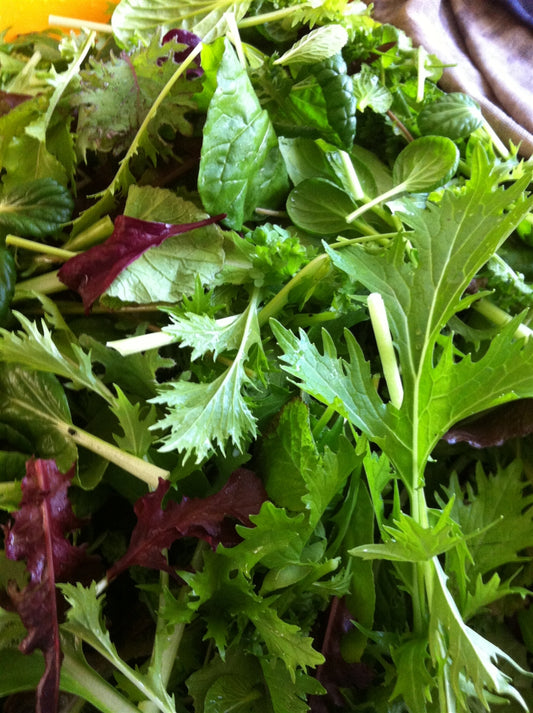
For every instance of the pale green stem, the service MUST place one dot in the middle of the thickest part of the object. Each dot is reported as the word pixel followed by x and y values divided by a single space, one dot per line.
pixel 46 284
pixel 94 234
pixel 274 16
pixel 421 79
pixel 234 36
pixel 383 197
pixel 34 246
pixel 138 467
pixel 141 343
pixel 323 420
pixel 77 23
pixel 500 147
pixel 496 315
pixel 353 181
pixel 380 325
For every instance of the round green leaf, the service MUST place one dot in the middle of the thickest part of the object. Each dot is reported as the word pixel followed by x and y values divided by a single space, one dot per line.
pixel 319 206
pixel 425 164
pixel 454 115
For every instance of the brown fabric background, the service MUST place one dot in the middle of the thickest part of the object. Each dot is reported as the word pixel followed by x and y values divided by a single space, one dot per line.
pixel 490 50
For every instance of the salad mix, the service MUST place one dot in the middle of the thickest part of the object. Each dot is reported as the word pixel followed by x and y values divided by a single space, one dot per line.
pixel 265 370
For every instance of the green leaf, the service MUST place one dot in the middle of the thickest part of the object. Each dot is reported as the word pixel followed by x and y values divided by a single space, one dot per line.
pixel 321 43
pixel 319 206
pixel 498 513
pixel 167 272
pixel 467 653
pixel 201 416
pixel 85 620
pixel 425 163
pixel 139 18
pixel 235 693
pixel 35 209
pixel 370 92
pixel 453 115
pixel 35 403
pixel 135 422
pixel 36 349
pixel 414 682
pixel 8 277
pixel 237 128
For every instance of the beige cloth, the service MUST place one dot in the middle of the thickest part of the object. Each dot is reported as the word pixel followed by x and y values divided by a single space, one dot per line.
pixel 490 51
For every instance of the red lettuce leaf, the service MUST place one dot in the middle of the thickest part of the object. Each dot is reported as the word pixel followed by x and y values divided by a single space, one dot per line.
pixel 38 535
pixel 90 273
pixel 10 100
pixel 495 427
pixel 208 519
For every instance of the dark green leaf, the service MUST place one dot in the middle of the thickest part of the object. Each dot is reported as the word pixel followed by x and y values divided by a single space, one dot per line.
pixel 320 207
pixel 35 209
pixel 453 115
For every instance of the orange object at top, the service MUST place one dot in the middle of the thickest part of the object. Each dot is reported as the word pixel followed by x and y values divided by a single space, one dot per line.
pixel 22 16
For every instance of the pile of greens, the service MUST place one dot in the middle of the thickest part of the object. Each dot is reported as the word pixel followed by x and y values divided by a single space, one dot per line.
pixel 265 371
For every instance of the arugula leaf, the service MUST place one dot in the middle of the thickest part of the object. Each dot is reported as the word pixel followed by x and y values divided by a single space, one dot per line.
pixel 237 128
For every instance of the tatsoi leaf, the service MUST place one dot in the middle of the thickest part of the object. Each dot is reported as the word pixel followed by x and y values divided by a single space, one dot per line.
pixel 237 128
pixel 453 115
pixel 35 209
pixel 92 272
pixel 321 43
pixel 425 164
pixel 38 535
pixel 35 404
pixel 319 206
pixel 157 527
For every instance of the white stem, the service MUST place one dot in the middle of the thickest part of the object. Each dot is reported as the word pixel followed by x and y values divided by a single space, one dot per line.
pixel 79 23
pixel 497 316
pixel 380 325
pixel 141 343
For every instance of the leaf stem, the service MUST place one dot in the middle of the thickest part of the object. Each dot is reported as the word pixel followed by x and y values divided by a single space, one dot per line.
pixel 138 467
pixel 380 325
pixel 42 248
pixel 79 23
pixel 141 343
pixel 47 284
pixel 383 197
pixel 496 315
pixel 274 16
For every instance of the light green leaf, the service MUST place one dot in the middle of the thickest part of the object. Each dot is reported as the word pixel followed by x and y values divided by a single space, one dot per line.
pixel 425 163
pixel 36 349
pixel 135 423
pixel 459 651
pixel 320 206
pixel 35 209
pixel 202 416
pixel 237 128
pixel 370 92
pixel 319 44
pixel 167 272
pixel 85 620
pixel 139 18
pixel 235 693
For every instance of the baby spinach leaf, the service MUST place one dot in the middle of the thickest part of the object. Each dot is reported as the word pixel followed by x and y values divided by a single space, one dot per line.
pixel 320 206
pixel 35 209
pixel 453 115
pixel 237 128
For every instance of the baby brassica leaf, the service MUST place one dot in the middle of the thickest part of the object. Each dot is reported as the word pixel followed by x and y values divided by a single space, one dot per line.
pixel 35 209
pixel 321 43
pixel 423 165
pixel 453 115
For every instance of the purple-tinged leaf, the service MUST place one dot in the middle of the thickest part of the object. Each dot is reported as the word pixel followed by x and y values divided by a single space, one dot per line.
pixel 10 100
pixel 335 673
pixel 190 40
pixel 495 427
pixel 38 535
pixel 208 519
pixel 90 273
